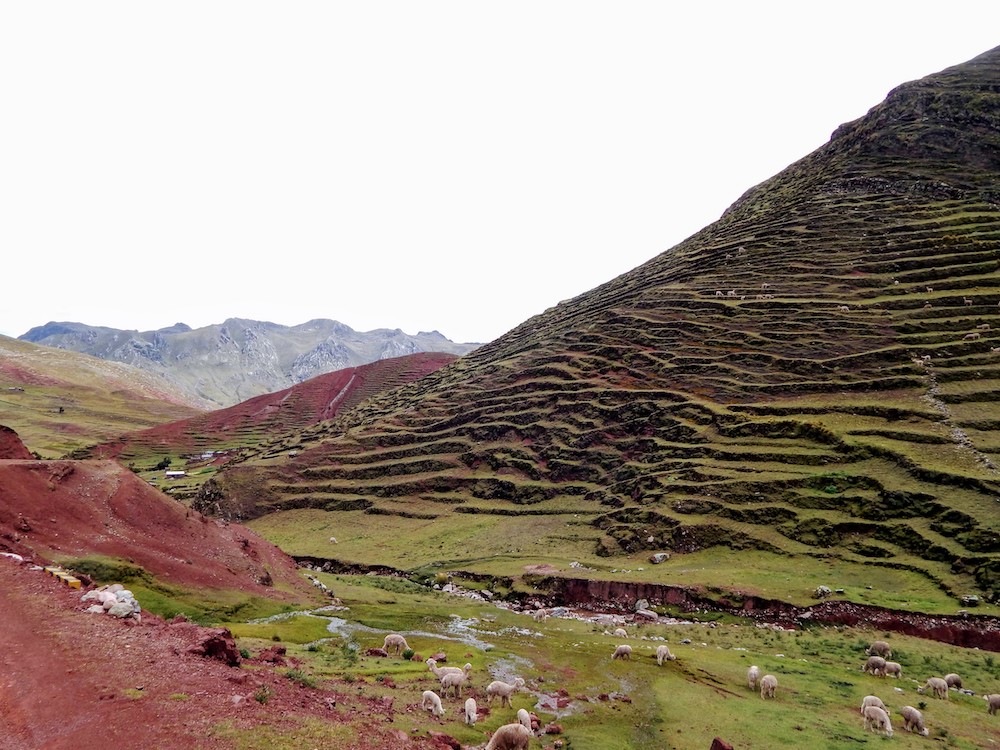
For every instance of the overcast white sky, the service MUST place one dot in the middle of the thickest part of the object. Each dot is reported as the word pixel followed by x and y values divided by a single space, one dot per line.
pixel 458 166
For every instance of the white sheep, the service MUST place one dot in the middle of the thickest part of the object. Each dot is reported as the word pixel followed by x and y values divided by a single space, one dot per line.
pixel 452 676
pixel 440 672
pixel 753 677
pixel 952 680
pixel 663 654
pixel 893 668
pixel 871 700
pixel 524 718
pixel 913 720
pixel 937 687
pixel 875 666
pixel 456 681
pixel 879 648
pixel 768 684
pixel 620 633
pixel 992 703
pixel 510 737
pixel 471 711
pixel 504 690
pixel 877 720
pixel 541 615
pixel 395 642
pixel 431 701
pixel 622 652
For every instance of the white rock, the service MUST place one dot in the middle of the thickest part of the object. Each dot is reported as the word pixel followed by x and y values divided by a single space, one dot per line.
pixel 121 609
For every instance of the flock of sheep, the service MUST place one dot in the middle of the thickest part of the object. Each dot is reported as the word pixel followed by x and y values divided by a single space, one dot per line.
pixel 516 735
pixel 513 736
pixel 874 711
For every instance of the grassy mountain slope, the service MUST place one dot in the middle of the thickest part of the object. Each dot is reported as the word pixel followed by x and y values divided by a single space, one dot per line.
pixel 813 378
pixel 58 401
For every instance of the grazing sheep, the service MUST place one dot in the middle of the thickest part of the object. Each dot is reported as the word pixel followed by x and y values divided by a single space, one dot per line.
pixel 879 648
pixel 875 666
pixel 504 690
pixel 952 680
pixel 913 720
pixel 768 684
pixel 431 701
pixel 967 301
pixel 844 308
pixel 663 654
pixel 893 668
pixel 753 677
pixel 396 643
pixel 440 672
pixel 510 737
pixel 541 615
pixel 471 711
pixel 993 703
pixel 524 718
pixel 871 700
pixel 622 652
pixel 877 720
pixel 456 681
pixel 457 676
pixel 620 633
pixel 937 687
pixel 971 336
pixel 984 327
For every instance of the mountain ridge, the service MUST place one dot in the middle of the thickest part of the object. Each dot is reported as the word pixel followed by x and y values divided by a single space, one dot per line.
pixel 240 358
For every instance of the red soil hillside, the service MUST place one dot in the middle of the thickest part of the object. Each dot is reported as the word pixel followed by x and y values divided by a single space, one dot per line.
pixel 54 510
pixel 274 414
pixel 11 445
pixel 71 680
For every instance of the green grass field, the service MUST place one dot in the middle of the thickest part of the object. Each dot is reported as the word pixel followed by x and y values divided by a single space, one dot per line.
pixel 620 704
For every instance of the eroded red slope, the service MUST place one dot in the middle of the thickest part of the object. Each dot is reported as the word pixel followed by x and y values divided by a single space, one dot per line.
pixel 66 509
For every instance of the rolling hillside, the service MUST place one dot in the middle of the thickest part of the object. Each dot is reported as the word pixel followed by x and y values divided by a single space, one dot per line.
pixel 58 401
pixel 812 381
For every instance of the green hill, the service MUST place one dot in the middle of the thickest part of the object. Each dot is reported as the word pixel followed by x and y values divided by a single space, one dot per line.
pixel 810 382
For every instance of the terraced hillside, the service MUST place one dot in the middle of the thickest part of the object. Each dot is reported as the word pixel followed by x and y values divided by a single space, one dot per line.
pixel 811 380
pixel 208 440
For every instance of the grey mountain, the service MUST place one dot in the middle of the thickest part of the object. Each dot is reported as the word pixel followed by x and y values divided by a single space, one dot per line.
pixel 230 362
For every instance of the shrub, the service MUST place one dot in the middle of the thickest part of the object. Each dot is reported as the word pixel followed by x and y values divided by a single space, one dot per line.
pixel 408 654
pixel 262 694
pixel 349 651
pixel 297 675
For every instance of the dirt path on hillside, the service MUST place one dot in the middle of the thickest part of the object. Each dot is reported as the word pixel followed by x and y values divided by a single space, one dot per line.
pixel 72 680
